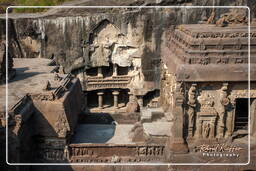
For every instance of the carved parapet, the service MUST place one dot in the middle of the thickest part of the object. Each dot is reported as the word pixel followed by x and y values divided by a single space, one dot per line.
pixel 116 153
pixel 19 113
pixel 20 104
pixel 94 83
pixel 43 96
pixel 65 83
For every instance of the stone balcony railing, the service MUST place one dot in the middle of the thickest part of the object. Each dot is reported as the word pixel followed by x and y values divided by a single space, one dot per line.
pixel 95 83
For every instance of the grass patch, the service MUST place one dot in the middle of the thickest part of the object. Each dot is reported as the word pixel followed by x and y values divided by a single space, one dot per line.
pixel 6 3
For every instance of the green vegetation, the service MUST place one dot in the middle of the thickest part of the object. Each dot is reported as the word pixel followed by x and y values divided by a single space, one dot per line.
pixel 5 3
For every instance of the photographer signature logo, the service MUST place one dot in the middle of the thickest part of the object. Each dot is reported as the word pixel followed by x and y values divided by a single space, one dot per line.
pixel 218 150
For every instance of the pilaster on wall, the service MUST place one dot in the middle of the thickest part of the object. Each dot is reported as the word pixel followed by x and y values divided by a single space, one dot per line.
pixel 177 143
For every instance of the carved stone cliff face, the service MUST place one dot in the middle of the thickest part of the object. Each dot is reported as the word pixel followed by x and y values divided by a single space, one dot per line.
pixel 92 38
pixel 99 39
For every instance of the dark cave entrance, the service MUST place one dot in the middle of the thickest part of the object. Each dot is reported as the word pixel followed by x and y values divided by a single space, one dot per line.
pixel 241 114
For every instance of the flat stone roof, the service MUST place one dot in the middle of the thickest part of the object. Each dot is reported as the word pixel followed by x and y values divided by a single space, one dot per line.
pixel 31 76
pixel 212 28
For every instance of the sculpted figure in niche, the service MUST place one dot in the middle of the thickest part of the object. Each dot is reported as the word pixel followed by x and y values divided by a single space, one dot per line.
pixel 191 108
pixel 206 129
pixel 224 102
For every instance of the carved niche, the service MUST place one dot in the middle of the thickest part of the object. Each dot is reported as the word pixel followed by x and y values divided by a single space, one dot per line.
pixel 191 109
pixel 206 118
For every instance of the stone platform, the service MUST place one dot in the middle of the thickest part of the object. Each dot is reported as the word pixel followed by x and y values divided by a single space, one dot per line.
pixel 31 77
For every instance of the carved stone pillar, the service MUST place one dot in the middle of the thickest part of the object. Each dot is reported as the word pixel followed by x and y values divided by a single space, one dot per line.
pixel 176 142
pixel 230 118
pixel 100 72
pixel 114 69
pixel 115 93
pixel 100 99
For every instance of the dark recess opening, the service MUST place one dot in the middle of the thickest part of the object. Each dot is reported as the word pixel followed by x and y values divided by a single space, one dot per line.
pixel 92 71
pixel 107 71
pixel 122 70
pixel 92 99
pixel 241 115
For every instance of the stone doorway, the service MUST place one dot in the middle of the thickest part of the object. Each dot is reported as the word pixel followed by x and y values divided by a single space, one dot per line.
pixel 241 114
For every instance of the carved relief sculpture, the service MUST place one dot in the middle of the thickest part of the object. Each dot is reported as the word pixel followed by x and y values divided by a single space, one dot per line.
pixel 191 109
pixel 206 118
pixel 224 102
pixel 61 126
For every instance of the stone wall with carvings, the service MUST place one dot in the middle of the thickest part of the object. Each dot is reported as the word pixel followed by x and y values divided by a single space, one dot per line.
pixel 121 153
pixel 44 123
pixel 211 68
pixel 58 116
pixel 214 107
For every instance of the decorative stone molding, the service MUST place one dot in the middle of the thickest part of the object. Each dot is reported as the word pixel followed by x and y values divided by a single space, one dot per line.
pixel 95 83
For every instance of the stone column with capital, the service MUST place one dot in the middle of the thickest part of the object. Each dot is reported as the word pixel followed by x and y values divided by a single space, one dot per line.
pixel 115 93
pixel 100 99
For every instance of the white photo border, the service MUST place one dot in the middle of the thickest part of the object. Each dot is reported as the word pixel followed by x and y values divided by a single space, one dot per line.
pixel 133 164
